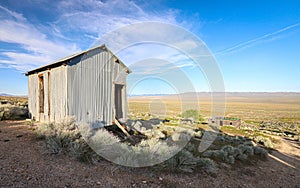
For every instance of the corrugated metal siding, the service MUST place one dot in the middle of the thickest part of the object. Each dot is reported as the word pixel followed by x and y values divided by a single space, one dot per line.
pixel 84 89
pixel 91 86
pixel 58 94
pixel 33 95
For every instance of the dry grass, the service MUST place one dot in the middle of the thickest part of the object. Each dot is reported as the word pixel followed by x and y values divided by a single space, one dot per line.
pixel 14 99
pixel 250 108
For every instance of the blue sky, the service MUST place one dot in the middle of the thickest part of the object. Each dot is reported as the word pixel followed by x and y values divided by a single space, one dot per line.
pixel 256 43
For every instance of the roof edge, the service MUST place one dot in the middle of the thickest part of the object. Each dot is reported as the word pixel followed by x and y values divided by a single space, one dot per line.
pixel 66 60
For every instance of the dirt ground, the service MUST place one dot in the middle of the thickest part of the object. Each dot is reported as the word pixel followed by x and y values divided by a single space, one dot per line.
pixel 23 164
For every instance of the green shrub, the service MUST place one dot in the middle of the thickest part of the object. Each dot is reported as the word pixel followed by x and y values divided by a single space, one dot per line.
pixel 192 114
pixel 246 149
pixel 183 161
pixel 44 130
pixel 53 145
pixel 242 157
pixel 229 153
pixel 207 165
pixel 260 152
pixel 81 151
pixel 65 138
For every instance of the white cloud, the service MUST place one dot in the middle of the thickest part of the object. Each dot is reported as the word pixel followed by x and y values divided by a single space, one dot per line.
pixel 97 17
pixel 36 48
pixel 78 22
pixel 24 61
pixel 13 14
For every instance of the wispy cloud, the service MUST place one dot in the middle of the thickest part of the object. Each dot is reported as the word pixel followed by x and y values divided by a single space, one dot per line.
pixel 79 23
pixel 262 39
pixel 97 18
pixel 37 49
pixel 13 14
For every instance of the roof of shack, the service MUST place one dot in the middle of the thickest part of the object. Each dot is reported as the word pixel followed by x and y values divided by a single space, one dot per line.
pixel 67 60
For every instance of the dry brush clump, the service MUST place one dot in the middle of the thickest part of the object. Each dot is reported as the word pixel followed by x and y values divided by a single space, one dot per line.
pixel 87 145
pixel 187 162
pixel 230 154
pixel 65 138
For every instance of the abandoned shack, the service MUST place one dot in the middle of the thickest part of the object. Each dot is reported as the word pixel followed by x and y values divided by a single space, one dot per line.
pixel 229 121
pixel 89 85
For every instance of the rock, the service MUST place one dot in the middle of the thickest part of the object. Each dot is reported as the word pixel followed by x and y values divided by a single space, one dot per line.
pixel 175 137
pixel 19 135
pixel 158 134
pixel 13 113
pixel 6 102
pixel 155 121
pixel 187 121
pixel 19 113
pixel 137 125
pixel 198 134
pixel 143 129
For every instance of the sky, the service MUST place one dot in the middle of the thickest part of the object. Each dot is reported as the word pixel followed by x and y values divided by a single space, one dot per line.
pixel 254 43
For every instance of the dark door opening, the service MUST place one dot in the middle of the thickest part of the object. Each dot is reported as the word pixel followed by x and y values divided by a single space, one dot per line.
pixel 118 101
pixel 48 94
pixel 41 94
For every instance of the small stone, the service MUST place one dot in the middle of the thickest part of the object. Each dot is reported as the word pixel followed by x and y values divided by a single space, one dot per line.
pixel 19 135
pixel 6 140
pixel 144 182
pixel 160 178
pixel 98 183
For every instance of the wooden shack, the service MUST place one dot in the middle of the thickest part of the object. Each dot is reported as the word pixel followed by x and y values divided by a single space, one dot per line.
pixel 228 121
pixel 89 86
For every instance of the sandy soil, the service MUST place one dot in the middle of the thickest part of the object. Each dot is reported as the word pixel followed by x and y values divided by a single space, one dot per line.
pixel 22 164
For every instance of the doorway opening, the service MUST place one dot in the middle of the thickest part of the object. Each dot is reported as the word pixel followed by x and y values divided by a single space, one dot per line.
pixel 118 101
pixel 41 94
pixel 48 94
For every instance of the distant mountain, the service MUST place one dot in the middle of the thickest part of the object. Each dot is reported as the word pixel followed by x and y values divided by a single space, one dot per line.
pixel 5 94
pixel 10 95
pixel 193 95
pixel 145 95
